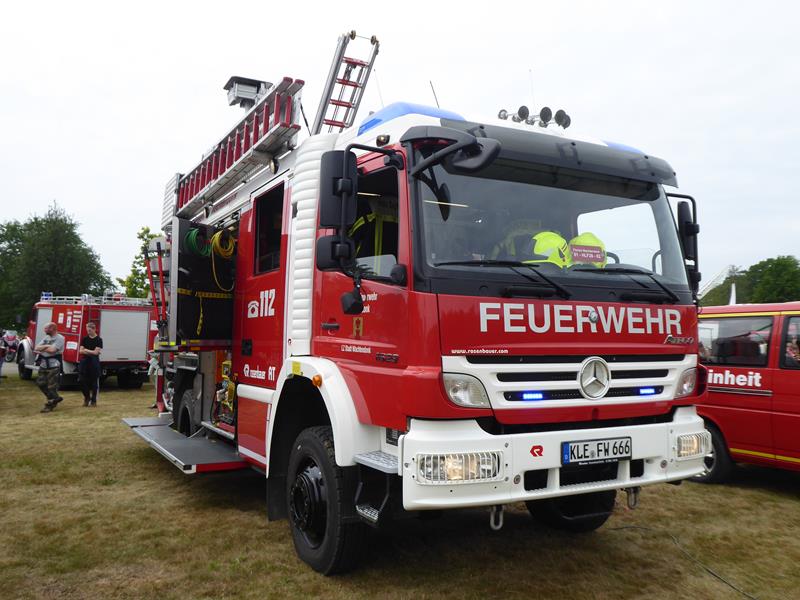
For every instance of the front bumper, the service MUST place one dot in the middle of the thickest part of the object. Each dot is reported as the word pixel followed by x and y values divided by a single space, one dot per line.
pixel 654 460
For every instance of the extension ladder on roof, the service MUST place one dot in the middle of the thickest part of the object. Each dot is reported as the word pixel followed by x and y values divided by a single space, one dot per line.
pixel 344 88
pixel 248 147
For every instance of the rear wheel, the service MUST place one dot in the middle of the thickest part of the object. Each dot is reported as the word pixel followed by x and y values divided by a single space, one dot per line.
pixel 718 464
pixel 316 497
pixel 184 414
pixel 579 514
pixel 128 381
pixel 24 372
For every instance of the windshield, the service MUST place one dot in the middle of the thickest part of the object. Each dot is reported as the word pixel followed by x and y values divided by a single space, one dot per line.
pixel 569 226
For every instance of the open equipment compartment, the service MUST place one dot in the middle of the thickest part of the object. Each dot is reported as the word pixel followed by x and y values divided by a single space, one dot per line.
pixel 201 287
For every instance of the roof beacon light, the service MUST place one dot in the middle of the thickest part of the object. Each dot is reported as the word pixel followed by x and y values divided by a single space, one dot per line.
pixel 503 114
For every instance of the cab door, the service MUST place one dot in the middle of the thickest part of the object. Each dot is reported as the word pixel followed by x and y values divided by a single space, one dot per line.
pixel 786 394
pixel 737 353
pixel 258 347
pixel 371 348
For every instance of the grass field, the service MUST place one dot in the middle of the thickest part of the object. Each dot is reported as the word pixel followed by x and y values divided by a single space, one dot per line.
pixel 89 511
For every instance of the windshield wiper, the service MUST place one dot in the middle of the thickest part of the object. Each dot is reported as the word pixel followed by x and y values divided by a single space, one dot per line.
pixel 513 265
pixel 640 295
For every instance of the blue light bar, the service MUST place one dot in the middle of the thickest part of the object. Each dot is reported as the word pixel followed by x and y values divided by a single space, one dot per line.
pixel 400 109
pixel 532 396
pixel 647 391
pixel 624 147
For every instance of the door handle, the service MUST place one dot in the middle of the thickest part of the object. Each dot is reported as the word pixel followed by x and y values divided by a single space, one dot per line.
pixel 330 326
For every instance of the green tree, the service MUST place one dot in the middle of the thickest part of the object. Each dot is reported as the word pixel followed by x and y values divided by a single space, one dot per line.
pixel 771 280
pixel 45 254
pixel 775 280
pixel 136 284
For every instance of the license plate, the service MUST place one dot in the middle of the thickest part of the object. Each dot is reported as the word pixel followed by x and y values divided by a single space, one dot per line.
pixel 595 451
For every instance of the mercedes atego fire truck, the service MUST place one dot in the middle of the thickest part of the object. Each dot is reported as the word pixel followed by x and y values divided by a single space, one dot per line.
pixel 418 311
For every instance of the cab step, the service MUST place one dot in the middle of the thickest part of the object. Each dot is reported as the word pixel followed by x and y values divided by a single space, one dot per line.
pixel 369 513
pixel 382 461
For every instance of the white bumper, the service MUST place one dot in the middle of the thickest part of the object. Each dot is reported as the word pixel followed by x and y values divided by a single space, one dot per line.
pixel 654 453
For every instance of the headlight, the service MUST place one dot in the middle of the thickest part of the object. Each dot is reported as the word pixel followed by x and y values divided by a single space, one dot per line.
pixel 465 390
pixel 686 383
pixel 692 445
pixel 462 467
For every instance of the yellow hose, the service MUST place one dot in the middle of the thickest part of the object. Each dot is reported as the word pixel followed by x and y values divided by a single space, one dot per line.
pixel 224 251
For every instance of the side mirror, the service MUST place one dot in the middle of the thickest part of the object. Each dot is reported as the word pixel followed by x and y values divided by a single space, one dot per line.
pixel 331 249
pixel 338 188
pixel 399 275
pixel 688 230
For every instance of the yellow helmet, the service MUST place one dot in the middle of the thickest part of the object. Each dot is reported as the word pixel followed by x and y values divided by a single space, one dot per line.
pixel 587 248
pixel 552 247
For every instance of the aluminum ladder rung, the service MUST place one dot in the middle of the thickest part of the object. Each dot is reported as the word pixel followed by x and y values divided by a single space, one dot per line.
pixel 348 82
pixel 342 103
pixel 355 62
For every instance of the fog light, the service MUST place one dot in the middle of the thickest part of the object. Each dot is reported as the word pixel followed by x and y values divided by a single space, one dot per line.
pixel 466 467
pixel 692 445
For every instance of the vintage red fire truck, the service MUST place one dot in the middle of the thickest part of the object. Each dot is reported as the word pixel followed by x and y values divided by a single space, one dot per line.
pixel 752 408
pixel 421 312
pixel 126 325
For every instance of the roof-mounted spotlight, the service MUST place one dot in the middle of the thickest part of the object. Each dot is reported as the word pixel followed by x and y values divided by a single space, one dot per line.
pixel 562 119
pixel 522 114
pixel 503 114
pixel 545 114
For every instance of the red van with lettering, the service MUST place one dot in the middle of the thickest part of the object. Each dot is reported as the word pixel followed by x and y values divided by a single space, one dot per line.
pixel 753 405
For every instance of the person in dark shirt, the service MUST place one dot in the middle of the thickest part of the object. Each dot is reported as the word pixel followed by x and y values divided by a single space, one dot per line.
pixel 89 367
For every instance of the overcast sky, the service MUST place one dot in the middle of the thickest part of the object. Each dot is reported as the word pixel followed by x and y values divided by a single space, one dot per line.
pixel 103 102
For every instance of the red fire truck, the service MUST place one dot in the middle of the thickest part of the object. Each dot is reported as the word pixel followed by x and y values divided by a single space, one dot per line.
pixel 421 312
pixel 126 325
pixel 753 404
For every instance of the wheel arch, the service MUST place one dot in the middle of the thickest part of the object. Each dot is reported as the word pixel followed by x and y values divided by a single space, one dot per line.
pixel 331 398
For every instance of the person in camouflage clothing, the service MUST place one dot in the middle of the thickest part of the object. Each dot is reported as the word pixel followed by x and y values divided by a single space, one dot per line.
pixel 49 350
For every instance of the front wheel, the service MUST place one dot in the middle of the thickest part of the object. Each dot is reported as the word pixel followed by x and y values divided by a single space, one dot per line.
pixel 717 463
pixel 578 514
pixel 24 372
pixel 316 498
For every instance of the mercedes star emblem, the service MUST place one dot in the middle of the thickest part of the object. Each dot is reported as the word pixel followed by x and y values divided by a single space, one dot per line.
pixel 594 378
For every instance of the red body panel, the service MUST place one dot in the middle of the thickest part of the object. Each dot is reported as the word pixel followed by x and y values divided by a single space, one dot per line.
pixel 474 325
pixel 252 416
pixel 757 409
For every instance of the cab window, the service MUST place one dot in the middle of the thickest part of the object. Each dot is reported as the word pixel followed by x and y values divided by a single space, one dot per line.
pixel 376 228
pixel 790 351
pixel 269 211
pixel 735 341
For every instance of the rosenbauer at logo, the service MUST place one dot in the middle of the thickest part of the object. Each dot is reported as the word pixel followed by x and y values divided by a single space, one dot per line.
pixel 263 306
pixel 568 318
pixel 254 372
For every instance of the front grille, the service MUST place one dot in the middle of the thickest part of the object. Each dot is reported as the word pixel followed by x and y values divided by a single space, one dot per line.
pixel 619 392
pixel 572 375
pixel 570 358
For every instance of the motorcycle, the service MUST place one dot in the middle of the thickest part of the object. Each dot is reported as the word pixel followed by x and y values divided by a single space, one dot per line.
pixel 12 343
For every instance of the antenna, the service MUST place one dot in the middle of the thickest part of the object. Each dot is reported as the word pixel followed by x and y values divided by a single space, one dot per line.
pixel 530 77
pixel 434 94
pixel 378 85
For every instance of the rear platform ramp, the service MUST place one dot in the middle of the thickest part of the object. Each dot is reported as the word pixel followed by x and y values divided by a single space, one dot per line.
pixel 196 454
